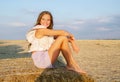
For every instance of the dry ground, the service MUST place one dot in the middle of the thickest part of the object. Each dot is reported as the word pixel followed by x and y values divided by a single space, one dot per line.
pixel 99 58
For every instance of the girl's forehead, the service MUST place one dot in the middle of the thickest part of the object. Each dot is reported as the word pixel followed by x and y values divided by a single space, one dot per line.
pixel 46 15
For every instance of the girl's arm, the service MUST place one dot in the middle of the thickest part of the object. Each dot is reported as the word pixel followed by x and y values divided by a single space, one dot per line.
pixel 48 32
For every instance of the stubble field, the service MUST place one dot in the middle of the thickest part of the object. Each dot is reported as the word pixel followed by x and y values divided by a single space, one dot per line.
pixel 99 58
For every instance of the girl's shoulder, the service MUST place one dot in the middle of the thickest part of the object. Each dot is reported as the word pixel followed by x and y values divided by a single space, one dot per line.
pixel 38 26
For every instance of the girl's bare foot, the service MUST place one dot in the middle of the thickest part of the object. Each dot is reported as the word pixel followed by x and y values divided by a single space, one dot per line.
pixel 76 69
pixel 81 71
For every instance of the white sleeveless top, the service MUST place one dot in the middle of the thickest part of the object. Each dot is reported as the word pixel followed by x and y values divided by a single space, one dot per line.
pixel 41 44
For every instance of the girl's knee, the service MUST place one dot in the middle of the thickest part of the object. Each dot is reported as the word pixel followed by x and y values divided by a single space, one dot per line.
pixel 62 38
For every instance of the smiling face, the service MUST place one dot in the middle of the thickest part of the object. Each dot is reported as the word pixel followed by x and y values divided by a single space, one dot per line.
pixel 45 20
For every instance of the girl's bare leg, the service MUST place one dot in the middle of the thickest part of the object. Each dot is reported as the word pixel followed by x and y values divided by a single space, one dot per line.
pixel 61 43
pixel 66 50
pixel 56 48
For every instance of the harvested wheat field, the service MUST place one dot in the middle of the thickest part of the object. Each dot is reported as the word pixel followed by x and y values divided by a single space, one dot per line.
pixel 99 58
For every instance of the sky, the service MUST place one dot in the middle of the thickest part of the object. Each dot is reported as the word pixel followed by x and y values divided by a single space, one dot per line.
pixel 85 19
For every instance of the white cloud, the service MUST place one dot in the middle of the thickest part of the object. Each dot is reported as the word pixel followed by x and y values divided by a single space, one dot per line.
pixel 79 22
pixel 104 19
pixel 103 29
pixel 17 24
pixel 29 11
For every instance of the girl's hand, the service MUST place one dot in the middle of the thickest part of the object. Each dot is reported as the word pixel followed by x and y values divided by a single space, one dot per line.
pixel 71 37
pixel 65 33
pixel 68 35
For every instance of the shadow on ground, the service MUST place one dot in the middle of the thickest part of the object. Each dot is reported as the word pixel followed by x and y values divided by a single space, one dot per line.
pixel 12 51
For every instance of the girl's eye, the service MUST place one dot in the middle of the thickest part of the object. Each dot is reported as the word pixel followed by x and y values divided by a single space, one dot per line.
pixel 43 19
pixel 48 20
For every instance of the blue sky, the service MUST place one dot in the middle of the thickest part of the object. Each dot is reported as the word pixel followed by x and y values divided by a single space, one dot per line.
pixel 86 19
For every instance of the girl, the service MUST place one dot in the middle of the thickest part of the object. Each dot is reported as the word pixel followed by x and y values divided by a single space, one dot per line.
pixel 47 43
